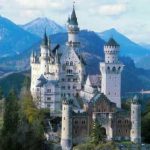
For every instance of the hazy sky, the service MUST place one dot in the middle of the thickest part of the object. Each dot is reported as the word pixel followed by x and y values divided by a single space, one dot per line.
pixel 131 17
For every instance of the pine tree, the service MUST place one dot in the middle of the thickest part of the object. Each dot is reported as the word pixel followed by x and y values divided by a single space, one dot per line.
pixel 97 135
pixel 1 93
pixel 11 121
pixel 11 117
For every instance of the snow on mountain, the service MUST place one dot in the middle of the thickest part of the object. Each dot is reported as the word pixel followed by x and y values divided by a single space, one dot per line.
pixel 127 47
pixel 39 25
pixel 13 39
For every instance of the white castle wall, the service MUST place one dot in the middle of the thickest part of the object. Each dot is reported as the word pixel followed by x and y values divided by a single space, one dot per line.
pixel 111 75
pixel 66 132
pixel 136 123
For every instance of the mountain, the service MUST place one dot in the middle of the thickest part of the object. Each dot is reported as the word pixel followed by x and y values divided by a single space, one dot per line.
pixel 144 62
pixel 13 39
pixel 145 45
pixel 133 79
pixel 128 47
pixel 91 48
pixel 15 81
pixel 39 25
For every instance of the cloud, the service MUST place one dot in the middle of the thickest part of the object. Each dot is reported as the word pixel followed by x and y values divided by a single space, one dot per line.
pixel 42 4
pixel 110 9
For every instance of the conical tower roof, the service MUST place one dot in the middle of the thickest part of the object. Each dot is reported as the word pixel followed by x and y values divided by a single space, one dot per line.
pixel 73 19
pixel 112 42
pixel 45 39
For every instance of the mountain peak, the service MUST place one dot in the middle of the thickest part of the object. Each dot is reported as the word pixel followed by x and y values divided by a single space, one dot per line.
pixel 38 26
pixel 112 30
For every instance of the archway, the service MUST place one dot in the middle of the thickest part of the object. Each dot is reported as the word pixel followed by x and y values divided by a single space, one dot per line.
pixel 103 131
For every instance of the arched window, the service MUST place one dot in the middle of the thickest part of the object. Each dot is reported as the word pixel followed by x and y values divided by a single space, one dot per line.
pixel 67 63
pixel 119 121
pixel 119 68
pixel 71 63
pixel 108 68
pixel 114 69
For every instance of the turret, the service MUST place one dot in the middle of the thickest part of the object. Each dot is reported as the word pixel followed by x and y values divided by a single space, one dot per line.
pixel 33 57
pixel 45 47
pixel 44 59
pixel 135 133
pixel 111 50
pixel 73 30
pixel 66 131
pixel 111 71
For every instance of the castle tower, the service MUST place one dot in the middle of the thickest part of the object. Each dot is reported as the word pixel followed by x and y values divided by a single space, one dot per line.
pixel 66 130
pixel 73 30
pixel 111 72
pixel 33 57
pixel 44 58
pixel 135 133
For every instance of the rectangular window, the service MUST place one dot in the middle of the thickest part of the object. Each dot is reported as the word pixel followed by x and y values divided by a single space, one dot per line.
pixel 63 87
pixel 74 87
pixel 62 79
pixel 48 90
pixel 48 98
pixel 83 121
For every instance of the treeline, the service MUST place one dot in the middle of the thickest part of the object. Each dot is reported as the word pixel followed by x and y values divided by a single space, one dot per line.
pixel 23 123
pixel 146 124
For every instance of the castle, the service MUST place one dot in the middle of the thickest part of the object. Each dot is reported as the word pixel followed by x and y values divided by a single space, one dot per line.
pixel 59 82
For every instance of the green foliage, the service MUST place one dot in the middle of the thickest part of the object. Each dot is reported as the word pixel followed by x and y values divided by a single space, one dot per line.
pixel 146 124
pixel 14 81
pixel 101 146
pixel 1 93
pixel 23 124
pixel 85 146
pixel 97 133
pixel 1 113
pixel 126 104
pixel 107 146
pixel 11 117
pixel 11 121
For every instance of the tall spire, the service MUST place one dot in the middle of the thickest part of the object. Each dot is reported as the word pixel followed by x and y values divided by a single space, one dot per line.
pixel 73 20
pixel 45 39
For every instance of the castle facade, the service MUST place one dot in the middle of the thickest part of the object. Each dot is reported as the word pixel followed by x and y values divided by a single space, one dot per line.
pixel 59 82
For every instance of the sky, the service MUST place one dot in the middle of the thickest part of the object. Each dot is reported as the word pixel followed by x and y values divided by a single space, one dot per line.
pixel 130 17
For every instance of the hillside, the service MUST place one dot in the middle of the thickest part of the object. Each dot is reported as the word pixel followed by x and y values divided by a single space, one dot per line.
pixel 144 62
pixel 127 47
pixel 92 49
pixel 14 81
pixel 133 79
pixel 13 39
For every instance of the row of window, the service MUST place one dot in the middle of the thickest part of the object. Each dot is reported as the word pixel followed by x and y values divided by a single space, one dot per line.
pixel 77 122
pixel 69 63
pixel 69 71
pixel 125 121
pixel 113 69
pixel 114 93
pixel 120 131
pixel 69 87
pixel 68 94
pixel 69 80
